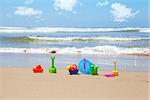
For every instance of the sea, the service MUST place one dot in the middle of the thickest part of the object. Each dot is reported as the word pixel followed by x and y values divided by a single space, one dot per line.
pixel 122 42
pixel 114 42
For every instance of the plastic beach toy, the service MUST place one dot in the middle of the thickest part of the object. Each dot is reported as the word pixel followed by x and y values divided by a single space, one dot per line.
pixel 52 68
pixel 38 69
pixel 73 69
pixel 108 75
pixel 86 67
pixel 94 70
pixel 73 72
pixel 115 71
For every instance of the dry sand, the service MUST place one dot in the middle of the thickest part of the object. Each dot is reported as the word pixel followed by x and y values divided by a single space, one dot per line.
pixel 23 84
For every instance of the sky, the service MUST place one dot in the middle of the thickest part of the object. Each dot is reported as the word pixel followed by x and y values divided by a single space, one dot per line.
pixel 74 13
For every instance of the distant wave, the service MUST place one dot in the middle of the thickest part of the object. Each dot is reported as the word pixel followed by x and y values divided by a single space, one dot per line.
pixel 85 50
pixel 74 39
pixel 61 29
pixel 145 30
pixel 54 39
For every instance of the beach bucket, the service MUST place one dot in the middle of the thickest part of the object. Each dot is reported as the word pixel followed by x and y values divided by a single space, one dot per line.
pixel 85 66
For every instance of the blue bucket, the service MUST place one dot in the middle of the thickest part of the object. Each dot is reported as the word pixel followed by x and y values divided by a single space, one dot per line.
pixel 85 66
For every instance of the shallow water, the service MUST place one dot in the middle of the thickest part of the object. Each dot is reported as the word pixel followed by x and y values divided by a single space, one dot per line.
pixel 124 62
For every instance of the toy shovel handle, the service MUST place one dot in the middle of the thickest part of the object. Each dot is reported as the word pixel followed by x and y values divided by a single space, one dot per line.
pixel 53 58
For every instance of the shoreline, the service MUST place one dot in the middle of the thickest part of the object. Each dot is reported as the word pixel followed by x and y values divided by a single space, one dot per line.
pixel 124 62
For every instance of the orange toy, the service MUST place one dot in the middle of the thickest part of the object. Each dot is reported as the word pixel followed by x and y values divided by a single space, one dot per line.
pixel 38 69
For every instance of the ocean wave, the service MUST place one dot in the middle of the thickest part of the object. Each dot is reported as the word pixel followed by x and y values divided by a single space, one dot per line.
pixel 54 39
pixel 75 39
pixel 145 30
pixel 85 50
pixel 61 29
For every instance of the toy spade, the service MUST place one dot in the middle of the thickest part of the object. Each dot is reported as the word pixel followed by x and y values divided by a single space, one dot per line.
pixel 115 71
pixel 52 68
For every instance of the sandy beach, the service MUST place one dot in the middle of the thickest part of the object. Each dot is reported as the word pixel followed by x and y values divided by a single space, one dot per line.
pixel 23 84
pixel 88 41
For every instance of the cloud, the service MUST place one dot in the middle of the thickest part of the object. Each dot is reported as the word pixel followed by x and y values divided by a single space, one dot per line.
pixel 27 11
pixel 102 3
pixel 121 13
pixel 66 5
pixel 28 2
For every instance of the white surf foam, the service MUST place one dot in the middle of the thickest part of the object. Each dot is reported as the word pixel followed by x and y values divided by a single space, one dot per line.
pixel 85 50
pixel 61 29
pixel 147 30
pixel 87 39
